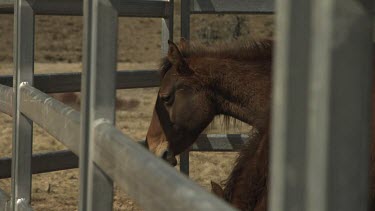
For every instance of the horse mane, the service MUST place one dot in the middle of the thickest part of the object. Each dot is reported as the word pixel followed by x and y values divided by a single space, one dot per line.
pixel 248 174
pixel 242 51
pixel 238 50
pixel 242 160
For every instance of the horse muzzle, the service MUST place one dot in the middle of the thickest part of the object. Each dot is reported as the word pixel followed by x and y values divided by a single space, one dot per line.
pixel 169 157
pixel 162 152
pixel 143 143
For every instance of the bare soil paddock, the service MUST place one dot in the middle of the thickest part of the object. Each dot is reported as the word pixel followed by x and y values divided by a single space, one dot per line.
pixel 58 49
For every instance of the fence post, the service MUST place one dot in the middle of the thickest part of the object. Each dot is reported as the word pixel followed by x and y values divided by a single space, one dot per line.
pixel 340 105
pixel 289 123
pixel 185 33
pixel 22 126
pixel 185 19
pixel 99 94
pixel 167 28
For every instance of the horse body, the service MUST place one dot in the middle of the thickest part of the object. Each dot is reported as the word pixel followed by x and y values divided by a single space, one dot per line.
pixel 199 83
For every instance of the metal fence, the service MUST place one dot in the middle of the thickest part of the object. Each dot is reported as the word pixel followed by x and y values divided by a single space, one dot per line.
pixel 28 103
pixel 321 106
pixel 71 82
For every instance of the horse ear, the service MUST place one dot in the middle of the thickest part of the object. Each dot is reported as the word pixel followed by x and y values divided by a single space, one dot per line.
pixel 176 58
pixel 184 44
pixel 217 190
pixel 174 55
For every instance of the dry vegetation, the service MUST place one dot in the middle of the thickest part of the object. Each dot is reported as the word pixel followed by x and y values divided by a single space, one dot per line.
pixel 58 49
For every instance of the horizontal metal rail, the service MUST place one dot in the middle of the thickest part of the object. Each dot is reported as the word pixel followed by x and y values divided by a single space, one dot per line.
pixel 71 82
pixel 43 162
pixel 120 157
pixel 128 8
pixel 59 120
pixel 220 142
pixel 232 6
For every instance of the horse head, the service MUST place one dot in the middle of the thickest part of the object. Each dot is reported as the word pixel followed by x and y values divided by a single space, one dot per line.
pixel 183 107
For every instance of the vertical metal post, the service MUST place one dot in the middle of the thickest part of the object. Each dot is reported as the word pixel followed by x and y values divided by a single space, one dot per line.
pixel 340 105
pixel 185 19
pixel 185 33
pixel 167 33
pixel 22 126
pixel 185 162
pixel 167 29
pixel 99 93
pixel 289 123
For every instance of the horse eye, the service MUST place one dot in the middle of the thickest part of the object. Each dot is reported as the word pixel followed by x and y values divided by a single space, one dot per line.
pixel 166 98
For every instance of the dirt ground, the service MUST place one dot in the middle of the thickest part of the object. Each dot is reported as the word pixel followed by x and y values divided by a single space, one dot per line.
pixel 58 49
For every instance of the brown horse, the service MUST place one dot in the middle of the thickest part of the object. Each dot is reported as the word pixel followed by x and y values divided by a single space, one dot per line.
pixel 199 83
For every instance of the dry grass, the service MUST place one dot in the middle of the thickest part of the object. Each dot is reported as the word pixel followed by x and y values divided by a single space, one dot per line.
pixel 58 49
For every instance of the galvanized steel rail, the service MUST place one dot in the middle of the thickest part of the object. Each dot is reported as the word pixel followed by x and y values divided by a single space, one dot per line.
pixel 233 6
pixel 71 82
pixel 43 162
pixel 128 8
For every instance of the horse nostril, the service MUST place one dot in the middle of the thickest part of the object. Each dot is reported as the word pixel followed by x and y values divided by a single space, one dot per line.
pixel 167 156
pixel 144 143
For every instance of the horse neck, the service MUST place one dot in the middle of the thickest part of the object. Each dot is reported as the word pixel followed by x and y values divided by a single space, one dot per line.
pixel 240 89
